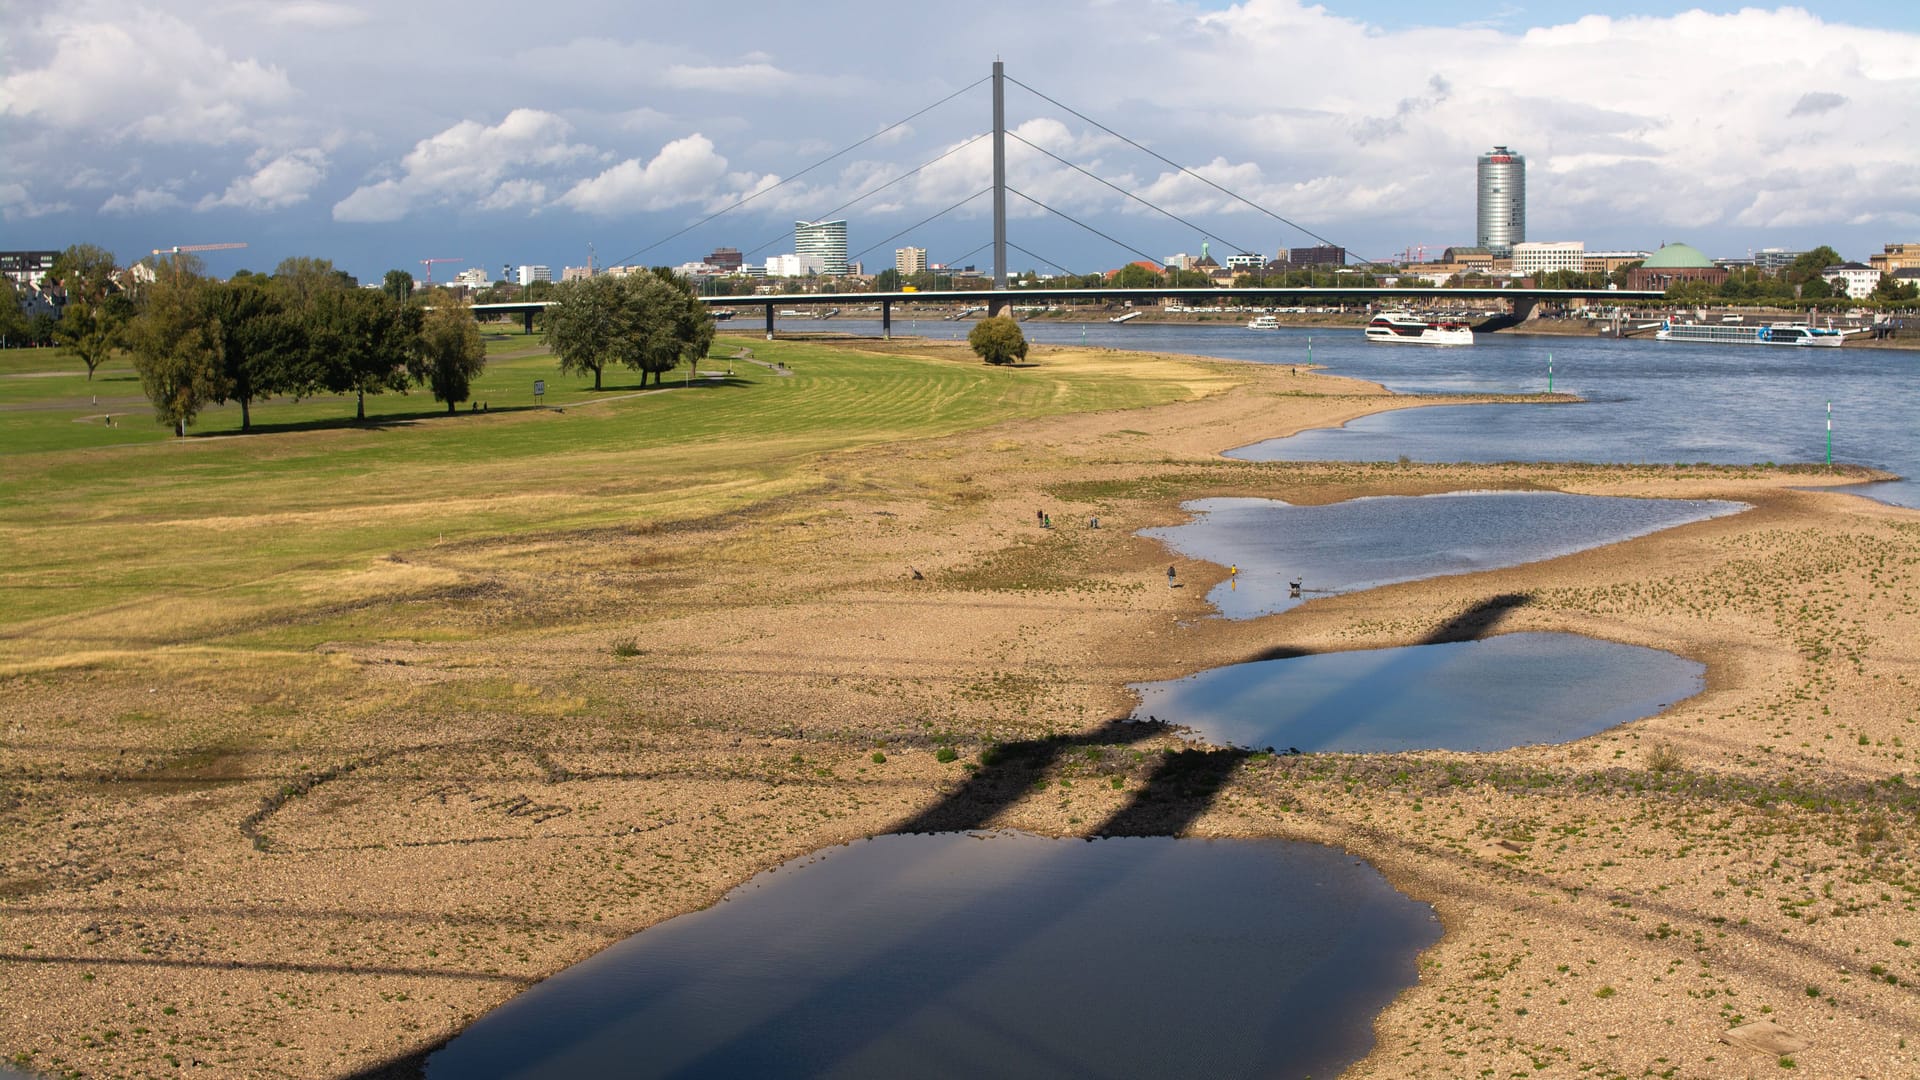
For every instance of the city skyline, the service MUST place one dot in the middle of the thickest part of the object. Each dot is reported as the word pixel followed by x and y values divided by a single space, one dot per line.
pixel 333 130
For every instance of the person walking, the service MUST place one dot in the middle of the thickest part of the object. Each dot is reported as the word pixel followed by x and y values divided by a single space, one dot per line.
pixel 1170 583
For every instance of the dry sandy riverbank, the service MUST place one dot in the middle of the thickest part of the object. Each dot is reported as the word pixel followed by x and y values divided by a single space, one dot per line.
pixel 437 821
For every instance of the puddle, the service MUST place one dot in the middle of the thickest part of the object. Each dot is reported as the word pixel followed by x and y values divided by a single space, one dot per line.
pixel 1366 543
pixel 1002 954
pixel 1506 691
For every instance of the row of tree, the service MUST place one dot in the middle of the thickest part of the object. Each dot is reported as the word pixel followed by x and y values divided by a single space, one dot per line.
pixel 308 329
pixel 305 329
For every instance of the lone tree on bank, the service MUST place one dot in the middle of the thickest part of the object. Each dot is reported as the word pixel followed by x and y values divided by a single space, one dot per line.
pixel 95 316
pixel 452 352
pixel 998 340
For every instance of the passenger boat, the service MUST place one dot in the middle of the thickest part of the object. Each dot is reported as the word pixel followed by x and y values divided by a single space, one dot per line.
pixel 1775 334
pixel 1263 322
pixel 1400 327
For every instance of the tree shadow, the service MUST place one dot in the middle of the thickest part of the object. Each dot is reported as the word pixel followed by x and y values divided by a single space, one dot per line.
pixel 1181 788
pixel 371 423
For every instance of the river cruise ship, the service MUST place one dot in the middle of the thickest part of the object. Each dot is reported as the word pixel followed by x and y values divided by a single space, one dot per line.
pixel 1775 334
pixel 1401 328
pixel 1263 322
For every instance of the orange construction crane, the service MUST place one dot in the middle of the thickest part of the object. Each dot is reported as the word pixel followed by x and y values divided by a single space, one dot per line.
pixel 428 263
pixel 178 248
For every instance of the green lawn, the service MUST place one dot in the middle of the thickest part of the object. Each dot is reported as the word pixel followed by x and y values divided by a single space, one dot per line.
pixel 98 519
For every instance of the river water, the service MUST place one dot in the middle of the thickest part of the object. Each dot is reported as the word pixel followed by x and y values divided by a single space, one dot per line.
pixel 1644 401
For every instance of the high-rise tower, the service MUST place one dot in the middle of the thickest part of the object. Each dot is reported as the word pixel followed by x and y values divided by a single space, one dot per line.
pixel 826 240
pixel 1503 200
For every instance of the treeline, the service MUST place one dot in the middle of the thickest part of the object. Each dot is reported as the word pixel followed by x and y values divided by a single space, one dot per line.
pixel 308 329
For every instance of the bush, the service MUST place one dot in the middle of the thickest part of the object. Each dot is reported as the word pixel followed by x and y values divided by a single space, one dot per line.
pixel 945 754
pixel 998 340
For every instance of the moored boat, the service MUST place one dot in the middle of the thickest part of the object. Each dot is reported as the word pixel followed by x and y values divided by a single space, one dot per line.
pixel 1263 322
pixel 1800 334
pixel 1402 328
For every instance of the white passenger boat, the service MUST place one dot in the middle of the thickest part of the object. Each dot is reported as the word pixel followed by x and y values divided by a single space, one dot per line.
pixel 1400 327
pixel 1263 322
pixel 1775 334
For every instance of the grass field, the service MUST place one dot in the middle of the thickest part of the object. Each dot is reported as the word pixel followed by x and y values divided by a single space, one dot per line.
pixel 129 524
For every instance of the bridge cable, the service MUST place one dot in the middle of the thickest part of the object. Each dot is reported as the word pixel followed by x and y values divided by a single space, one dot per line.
pixel 1087 227
pixel 1044 261
pixel 1183 168
pixel 919 223
pixel 837 153
pixel 1131 195
pixel 875 191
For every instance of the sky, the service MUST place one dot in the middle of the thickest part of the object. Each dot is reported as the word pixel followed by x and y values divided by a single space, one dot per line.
pixel 379 135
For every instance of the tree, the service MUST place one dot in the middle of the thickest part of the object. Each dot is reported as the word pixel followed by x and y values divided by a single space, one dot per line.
pixel 96 312
pixel 361 343
pixel 648 322
pixel 175 349
pixel 887 280
pixel 690 319
pixel 398 285
pixel 1808 265
pixel 452 352
pixel 1135 276
pixel 262 346
pixel 589 324
pixel 1892 288
pixel 998 340
pixel 302 281
pixel 14 326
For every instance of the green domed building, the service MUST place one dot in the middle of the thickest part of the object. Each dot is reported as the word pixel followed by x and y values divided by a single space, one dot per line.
pixel 1675 263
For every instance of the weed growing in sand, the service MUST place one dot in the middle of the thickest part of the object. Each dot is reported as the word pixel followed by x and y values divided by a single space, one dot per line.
pixel 946 754
pixel 626 648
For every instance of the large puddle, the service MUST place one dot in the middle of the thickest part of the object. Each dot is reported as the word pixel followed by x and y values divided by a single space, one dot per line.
pixel 1365 543
pixel 1001 954
pixel 1507 691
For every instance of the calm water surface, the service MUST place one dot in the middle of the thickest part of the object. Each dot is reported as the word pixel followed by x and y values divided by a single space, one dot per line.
pixel 1365 543
pixel 1507 691
pixel 1646 401
pixel 970 955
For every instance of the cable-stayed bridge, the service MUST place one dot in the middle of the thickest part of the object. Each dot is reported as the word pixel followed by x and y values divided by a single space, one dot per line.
pixel 1000 296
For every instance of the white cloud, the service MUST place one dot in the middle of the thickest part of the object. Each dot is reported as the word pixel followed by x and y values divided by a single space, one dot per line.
pixel 515 193
pixel 286 180
pixel 684 171
pixel 307 14
pixel 464 163
pixel 150 76
pixel 17 203
pixel 141 201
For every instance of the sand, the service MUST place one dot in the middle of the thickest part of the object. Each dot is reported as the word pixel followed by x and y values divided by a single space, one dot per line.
pixel 230 861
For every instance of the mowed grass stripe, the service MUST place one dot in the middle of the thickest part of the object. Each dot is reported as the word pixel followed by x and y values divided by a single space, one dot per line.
pixel 108 538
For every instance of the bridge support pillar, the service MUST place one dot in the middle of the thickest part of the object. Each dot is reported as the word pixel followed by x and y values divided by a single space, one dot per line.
pixel 526 318
pixel 886 320
pixel 996 306
pixel 769 322
pixel 1524 308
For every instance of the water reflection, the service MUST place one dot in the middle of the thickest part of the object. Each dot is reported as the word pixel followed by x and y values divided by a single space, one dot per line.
pixel 1507 691
pixel 999 955
pixel 1364 543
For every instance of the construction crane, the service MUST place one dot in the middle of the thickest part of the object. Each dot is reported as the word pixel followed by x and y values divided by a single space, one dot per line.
pixel 428 263
pixel 178 248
